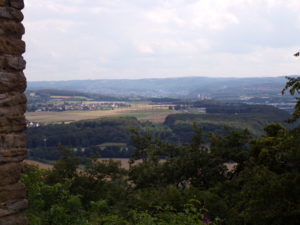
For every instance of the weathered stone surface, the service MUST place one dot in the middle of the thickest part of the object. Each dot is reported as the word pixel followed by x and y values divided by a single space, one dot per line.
pixel 12 124
pixel 12 141
pixel 9 174
pixel 18 219
pixel 15 158
pixel 9 62
pixel 12 99
pixel 18 4
pixel 12 148
pixel 3 3
pixel 12 82
pixel 12 155
pixel 11 14
pixel 11 28
pixel 13 208
pixel 12 46
pixel 11 193
pixel 12 109
pixel 17 63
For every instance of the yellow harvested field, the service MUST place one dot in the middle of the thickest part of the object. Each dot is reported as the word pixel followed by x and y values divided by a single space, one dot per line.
pixel 124 163
pixel 153 113
pixel 39 164
pixel 64 97
pixel 69 115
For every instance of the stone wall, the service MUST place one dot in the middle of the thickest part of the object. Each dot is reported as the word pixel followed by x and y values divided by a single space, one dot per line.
pixel 12 109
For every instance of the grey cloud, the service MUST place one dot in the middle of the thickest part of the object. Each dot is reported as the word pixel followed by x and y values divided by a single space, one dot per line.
pixel 81 39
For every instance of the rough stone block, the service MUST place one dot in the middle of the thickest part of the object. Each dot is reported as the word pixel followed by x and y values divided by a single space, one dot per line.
pixel 12 46
pixel 13 208
pixel 12 82
pixel 18 219
pixel 3 2
pixel 11 193
pixel 12 141
pixel 13 110
pixel 12 146
pixel 11 28
pixel 14 159
pixel 18 4
pixel 17 63
pixel 12 124
pixel 12 99
pixel 9 174
pixel 9 62
pixel 11 14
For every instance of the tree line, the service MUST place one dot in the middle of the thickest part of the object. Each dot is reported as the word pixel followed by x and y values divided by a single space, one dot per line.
pixel 90 135
pixel 189 183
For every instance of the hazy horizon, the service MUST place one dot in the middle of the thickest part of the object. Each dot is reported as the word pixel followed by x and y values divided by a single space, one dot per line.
pixel 155 78
pixel 139 39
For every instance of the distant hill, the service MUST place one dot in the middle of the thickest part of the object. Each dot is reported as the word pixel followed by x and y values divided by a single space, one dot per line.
pixel 47 93
pixel 171 87
pixel 265 90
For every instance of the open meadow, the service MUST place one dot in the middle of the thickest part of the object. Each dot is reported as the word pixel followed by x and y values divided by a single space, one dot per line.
pixel 124 163
pixel 142 111
pixel 40 165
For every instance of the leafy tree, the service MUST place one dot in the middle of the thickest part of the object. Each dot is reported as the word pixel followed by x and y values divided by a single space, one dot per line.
pixel 51 204
pixel 177 184
pixel 66 167
pixel 293 85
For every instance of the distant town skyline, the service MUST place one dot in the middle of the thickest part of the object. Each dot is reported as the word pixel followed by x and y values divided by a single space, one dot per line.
pixel 135 39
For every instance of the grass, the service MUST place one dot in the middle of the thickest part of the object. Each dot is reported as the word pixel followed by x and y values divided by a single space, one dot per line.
pixel 141 111
pixel 124 163
pixel 70 97
pixel 40 165
pixel 109 144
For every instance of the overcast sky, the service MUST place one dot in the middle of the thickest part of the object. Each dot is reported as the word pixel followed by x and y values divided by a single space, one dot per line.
pixel 100 39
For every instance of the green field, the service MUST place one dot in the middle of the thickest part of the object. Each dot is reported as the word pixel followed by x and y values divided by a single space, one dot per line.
pixel 142 111
pixel 114 144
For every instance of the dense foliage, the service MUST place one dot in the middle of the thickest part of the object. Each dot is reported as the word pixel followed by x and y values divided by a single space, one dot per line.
pixel 238 108
pixel 192 183
pixel 86 136
pixel 110 137
pixel 293 85
pixel 231 179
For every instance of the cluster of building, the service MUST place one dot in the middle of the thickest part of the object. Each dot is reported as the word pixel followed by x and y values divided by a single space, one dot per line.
pixel 74 106
pixel 33 124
